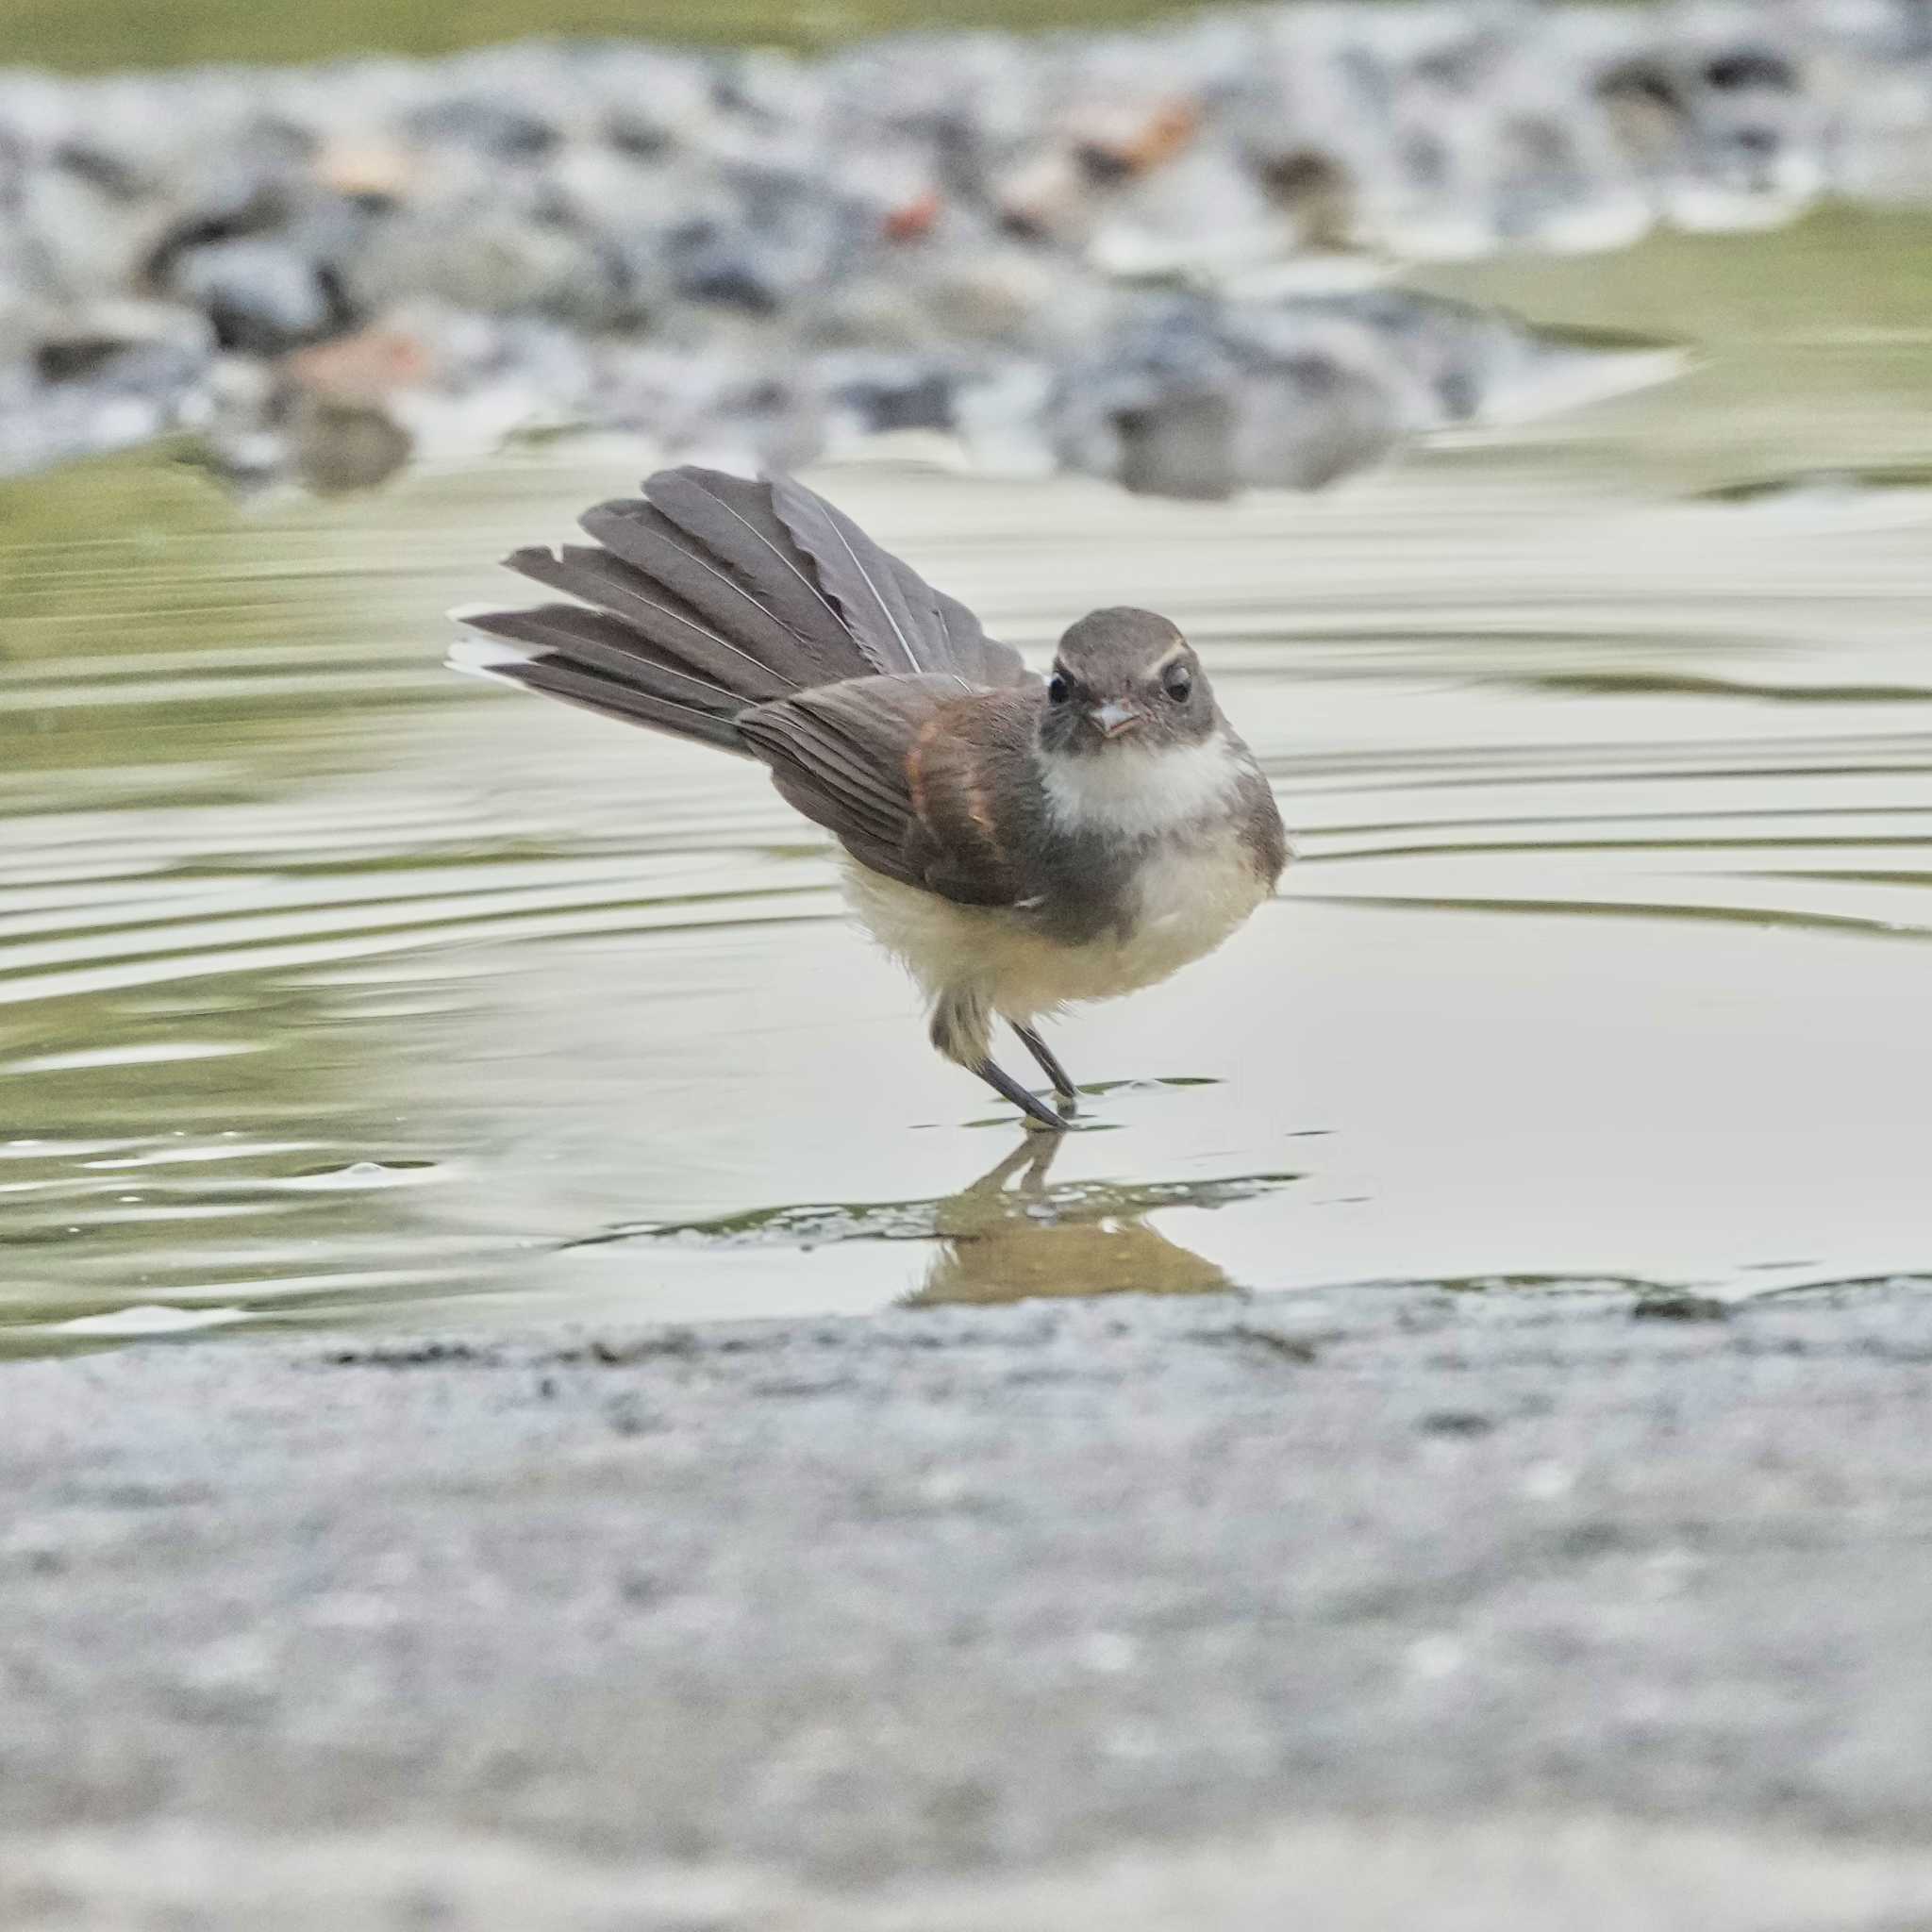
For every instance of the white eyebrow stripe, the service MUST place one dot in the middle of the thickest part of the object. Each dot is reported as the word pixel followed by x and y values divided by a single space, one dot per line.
pixel 1168 655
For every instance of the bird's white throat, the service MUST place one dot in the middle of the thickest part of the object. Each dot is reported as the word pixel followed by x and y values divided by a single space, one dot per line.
pixel 1137 792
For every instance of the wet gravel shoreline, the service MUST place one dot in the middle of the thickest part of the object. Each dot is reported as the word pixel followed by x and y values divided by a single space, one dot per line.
pixel 1151 255
pixel 1009 1594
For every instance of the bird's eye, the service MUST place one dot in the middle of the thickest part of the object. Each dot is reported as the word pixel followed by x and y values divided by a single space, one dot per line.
pixel 1177 681
pixel 1056 690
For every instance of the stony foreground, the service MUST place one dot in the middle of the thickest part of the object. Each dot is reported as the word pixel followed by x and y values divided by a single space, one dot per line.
pixel 1382 1607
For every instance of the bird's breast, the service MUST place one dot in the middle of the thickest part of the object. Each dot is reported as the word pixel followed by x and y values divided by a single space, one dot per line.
pixel 1178 900
pixel 1183 899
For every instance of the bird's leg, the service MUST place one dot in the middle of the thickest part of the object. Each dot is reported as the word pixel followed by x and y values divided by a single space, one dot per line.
pixel 1031 1161
pixel 1049 1065
pixel 1036 1109
pixel 962 1030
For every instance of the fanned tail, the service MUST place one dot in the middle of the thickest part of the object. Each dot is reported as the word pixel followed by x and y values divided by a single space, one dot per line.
pixel 711 594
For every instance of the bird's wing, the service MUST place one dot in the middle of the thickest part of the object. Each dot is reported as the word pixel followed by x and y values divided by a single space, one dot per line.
pixel 907 774
pixel 901 623
pixel 710 594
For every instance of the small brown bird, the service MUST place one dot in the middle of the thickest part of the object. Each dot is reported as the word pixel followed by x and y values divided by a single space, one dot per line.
pixel 1019 844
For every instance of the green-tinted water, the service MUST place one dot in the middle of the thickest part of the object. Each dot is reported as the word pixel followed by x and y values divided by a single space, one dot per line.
pixel 333 985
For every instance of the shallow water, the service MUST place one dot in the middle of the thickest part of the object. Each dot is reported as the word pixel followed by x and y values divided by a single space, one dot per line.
pixel 332 986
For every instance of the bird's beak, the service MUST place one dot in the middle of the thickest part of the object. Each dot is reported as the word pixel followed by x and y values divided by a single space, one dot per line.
pixel 1114 717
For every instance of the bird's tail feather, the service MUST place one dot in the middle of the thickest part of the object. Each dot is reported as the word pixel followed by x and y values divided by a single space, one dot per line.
pixel 710 594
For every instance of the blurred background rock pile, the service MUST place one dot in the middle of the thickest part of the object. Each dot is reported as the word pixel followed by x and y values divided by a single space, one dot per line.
pixel 1162 255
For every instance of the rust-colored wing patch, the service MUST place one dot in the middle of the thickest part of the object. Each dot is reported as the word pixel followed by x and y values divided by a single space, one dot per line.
pixel 906 771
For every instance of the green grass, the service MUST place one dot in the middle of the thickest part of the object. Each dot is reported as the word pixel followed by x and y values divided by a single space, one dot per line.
pixel 166 33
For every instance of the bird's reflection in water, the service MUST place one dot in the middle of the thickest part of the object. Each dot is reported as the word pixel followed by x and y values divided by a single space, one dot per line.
pixel 1007 1238
pixel 1010 1237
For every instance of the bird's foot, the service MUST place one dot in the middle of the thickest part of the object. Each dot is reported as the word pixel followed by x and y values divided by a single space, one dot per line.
pixel 1063 1087
pixel 1038 1115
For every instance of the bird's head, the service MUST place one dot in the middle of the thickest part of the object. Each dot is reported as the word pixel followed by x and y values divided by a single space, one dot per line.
pixel 1123 680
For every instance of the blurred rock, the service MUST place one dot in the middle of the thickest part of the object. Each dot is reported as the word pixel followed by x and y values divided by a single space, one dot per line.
pixel 102 377
pixel 1199 400
pixel 337 446
pixel 1145 253
pixel 1724 115
pixel 261 295
pixel 361 369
